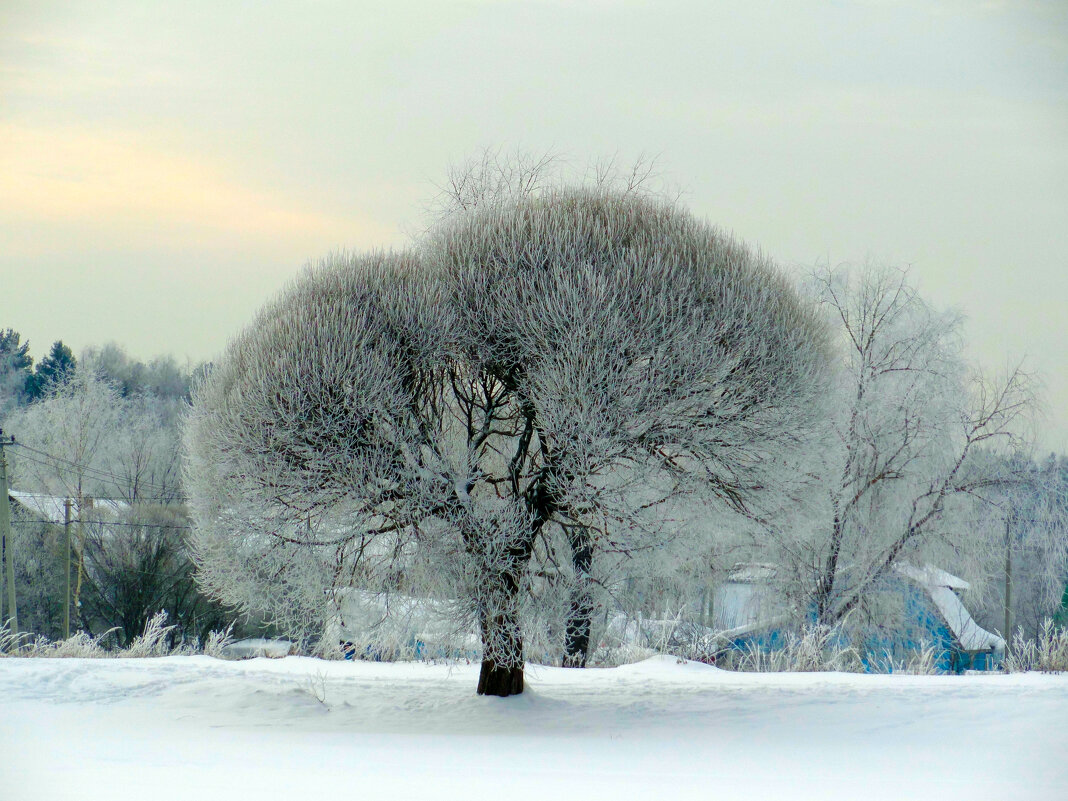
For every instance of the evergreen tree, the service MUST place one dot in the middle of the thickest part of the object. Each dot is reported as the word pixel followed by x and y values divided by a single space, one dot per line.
pixel 55 368
pixel 15 364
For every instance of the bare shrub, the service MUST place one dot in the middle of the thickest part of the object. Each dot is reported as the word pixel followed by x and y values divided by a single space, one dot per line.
pixel 1047 653
pixel 153 642
pixel 218 640
pixel 814 648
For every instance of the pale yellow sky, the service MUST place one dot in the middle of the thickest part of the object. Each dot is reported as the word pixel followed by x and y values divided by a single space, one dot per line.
pixel 166 167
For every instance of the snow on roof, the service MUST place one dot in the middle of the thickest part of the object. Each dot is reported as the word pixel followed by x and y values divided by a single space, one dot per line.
pixel 940 585
pixel 969 634
pixel 931 576
pixel 51 507
pixel 258 646
pixel 751 571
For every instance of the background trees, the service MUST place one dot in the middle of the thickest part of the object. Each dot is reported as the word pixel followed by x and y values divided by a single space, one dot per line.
pixel 576 359
pixel 55 368
pixel 1024 568
pixel 917 463
pixel 15 372
pixel 115 457
pixel 19 384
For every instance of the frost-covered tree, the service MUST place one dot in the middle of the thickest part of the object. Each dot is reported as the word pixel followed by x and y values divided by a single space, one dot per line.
pixel 89 440
pixel 1025 562
pixel 653 359
pixel 910 468
pixel 70 429
pixel 578 359
pixel 162 377
pixel 84 440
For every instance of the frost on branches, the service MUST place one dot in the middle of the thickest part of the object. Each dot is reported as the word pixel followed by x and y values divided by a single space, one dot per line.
pixel 916 463
pixel 544 368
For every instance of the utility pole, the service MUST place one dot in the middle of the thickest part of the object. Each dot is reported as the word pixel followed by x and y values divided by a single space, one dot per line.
pixel 1008 582
pixel 5 534
pixel 66 532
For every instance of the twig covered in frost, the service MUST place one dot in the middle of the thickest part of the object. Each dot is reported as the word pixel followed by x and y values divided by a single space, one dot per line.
pixel 1048 652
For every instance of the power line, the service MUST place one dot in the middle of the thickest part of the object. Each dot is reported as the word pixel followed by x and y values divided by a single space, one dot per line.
pixel 99 523
pixel 60 463
pixel 136 525
pixel 89 472
pixel 67 464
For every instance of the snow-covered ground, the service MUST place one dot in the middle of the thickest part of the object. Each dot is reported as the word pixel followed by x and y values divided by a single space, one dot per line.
pixel 199 728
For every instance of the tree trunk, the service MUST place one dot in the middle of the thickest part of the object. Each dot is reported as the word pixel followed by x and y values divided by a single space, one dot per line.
pixel 577 644
pixel 494 679
pixel 502 639
pixel 580 614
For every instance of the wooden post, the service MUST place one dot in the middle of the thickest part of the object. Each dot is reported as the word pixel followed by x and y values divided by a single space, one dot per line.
pixel 5 531
pixel 66 532
pixel 1008 583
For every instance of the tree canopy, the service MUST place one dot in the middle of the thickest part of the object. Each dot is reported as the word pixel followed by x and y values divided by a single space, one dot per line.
pixel 561 362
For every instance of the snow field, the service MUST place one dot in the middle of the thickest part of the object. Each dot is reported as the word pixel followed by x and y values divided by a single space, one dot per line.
pixel 196 727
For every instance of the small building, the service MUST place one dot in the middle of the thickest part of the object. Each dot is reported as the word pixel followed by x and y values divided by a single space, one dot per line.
pixel 923 610
pixel 52 508
pixel 392 627
pixel 933 603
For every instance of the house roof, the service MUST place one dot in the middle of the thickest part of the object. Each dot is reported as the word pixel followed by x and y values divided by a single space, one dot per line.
pixel 745 603
pixel 970 635
pixel 51 507
pixel 940 586
pixel 931 576
pixel 745 572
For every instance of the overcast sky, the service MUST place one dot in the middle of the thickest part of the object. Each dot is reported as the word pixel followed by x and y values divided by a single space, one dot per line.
pixel 167 167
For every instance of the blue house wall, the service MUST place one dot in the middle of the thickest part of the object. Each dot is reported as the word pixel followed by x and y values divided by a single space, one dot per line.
pixel 921 627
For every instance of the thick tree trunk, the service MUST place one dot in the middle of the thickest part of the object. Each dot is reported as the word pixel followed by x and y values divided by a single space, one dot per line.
pixel 502 640
pixel 580 614
pixel 502 681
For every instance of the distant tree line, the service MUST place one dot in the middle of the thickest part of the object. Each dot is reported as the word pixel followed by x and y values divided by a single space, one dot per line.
pixel 22 382
pixel 102 431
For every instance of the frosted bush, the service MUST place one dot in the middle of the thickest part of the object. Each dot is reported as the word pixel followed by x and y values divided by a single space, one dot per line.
pixel 153 642
pixel 917 663
pixel 814 648
pixel 218 640
pixel 82 645
pixel 10 642
pixel 1047 653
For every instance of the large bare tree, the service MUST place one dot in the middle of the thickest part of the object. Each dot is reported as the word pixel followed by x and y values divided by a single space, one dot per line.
pixel 576 358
